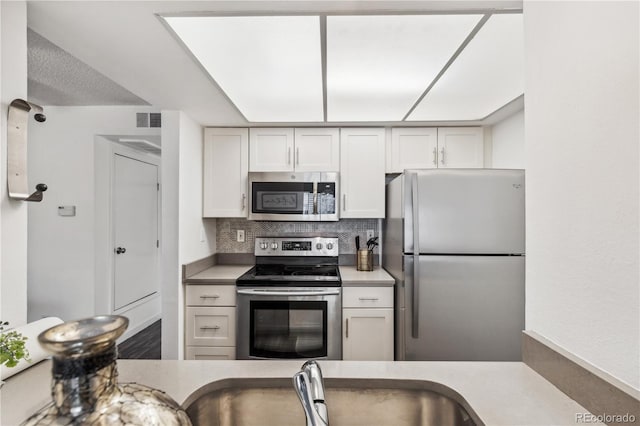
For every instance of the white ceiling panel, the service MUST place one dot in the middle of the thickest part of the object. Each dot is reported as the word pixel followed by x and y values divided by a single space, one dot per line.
pixel 269 67
pixel 378 66
pixel 487 74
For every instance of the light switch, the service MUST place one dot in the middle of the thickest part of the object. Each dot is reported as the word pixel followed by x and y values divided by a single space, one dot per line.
pixel 66 210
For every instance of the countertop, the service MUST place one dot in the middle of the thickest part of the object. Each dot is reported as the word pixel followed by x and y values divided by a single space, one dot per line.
pixel 378 277
pixel 500 393
pixel 219 274
pixel 227 274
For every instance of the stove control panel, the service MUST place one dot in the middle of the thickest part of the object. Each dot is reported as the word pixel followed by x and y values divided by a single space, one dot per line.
pixel 296 246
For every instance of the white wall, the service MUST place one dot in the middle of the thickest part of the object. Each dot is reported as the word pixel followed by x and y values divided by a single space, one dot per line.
pixel 186 236
pixel 507 140
pixel 61 251
pixel 197 235
pixel 13 214
pixel 582 131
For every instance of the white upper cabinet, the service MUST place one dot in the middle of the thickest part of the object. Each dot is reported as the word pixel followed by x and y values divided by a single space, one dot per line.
pixel 362 167
pixel 226 153
pixel 460 147
pixel 430 148
pixel 413 148
pixel 271 150
pixel 317 150
pixel 300 150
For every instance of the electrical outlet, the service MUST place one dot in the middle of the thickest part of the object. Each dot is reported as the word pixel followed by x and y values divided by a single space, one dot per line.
pixel 370 234
pixel 240 235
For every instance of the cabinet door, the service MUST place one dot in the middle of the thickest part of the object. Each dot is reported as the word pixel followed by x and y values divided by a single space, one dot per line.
pixel 413 148
pixel 368 334
pixel 226 158
pixel 317 150
pixel 270 150
pixel 362 173
pixel 460 147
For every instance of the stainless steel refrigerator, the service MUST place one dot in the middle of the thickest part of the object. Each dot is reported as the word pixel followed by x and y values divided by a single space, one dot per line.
pixel 454 240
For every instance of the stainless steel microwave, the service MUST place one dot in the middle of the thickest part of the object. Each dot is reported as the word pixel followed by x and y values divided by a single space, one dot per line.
pixel 310 196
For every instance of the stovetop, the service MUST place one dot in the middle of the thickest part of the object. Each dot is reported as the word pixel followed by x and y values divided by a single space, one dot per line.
pixel 291 275
pixel 295 261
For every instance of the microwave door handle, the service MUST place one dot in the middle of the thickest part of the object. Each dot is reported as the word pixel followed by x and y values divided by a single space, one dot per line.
pixel 315 197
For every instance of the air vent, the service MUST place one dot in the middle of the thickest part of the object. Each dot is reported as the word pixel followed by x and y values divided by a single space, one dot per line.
pixel 155 119
pixel 144 119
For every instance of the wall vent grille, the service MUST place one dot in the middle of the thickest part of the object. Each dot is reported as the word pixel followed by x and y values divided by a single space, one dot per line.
pixel 142 119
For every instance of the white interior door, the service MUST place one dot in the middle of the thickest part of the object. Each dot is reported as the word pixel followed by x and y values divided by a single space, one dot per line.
pixel 135 220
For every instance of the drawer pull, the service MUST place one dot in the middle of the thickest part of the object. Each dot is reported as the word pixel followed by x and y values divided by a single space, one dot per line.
pixel 210 296
pixel 373 299
pixel 208 327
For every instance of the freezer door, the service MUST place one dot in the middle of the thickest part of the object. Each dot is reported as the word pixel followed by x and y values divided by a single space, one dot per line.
pixel 464 308
pixel 464 211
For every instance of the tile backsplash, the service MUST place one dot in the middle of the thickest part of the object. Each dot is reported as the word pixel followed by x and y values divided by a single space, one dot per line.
pixel 345 229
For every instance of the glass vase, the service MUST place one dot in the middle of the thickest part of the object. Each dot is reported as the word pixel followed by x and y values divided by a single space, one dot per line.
pixel 85 388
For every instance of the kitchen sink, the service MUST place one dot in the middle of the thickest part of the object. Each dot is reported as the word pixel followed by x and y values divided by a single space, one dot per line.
pixel 384 402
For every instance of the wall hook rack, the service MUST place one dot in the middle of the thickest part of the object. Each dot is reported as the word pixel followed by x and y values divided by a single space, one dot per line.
pixel 17 124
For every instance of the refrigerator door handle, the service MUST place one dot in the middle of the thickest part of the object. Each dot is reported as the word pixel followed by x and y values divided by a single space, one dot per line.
pixel 415 303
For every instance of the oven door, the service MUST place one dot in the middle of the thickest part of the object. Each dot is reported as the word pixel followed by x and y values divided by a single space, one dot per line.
pixel 289 323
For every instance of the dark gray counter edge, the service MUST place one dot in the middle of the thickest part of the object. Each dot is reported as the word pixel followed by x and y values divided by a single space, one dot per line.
pixel 598 395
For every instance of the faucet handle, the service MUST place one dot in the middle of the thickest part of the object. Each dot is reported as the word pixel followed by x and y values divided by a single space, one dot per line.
pixel 302 387
pixel 314 373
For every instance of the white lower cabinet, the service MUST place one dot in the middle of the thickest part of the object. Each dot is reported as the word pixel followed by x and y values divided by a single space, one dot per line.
pixel 214 353
pixel 210 317
pixel 367 323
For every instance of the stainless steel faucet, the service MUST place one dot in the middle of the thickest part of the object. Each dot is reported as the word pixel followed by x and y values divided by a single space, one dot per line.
pixel 309 386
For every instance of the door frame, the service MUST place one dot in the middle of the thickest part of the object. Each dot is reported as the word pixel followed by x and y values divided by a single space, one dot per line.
pixel 147 310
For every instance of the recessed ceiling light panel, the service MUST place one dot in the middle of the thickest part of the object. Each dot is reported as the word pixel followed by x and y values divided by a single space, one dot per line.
pixel 269 66
pixel 378 66
pixel 488 74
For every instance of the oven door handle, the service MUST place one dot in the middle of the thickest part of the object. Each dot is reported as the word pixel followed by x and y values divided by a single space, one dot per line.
pixel 289 293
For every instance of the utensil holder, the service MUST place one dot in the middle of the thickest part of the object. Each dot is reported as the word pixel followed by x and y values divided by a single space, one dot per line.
pixel 364 260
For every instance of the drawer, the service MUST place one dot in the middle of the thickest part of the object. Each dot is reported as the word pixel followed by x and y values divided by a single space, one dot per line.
pixel 211 326
pixel 367 297
pixel 213 353
pixel 211 295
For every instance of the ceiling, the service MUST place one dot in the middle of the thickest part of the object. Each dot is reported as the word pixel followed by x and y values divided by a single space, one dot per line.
pixel 58 78
pixel 128 45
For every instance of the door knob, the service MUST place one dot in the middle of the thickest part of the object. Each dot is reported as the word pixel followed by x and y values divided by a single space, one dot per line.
pixel 121 250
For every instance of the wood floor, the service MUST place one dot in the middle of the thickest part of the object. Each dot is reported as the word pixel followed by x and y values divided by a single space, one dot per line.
pixel 143 345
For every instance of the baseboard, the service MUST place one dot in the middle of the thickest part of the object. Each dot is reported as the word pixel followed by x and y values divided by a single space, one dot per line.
pixel 137 329
pixel 141 316
pixel 611 401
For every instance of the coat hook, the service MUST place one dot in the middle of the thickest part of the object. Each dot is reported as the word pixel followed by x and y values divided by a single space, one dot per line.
pixel 17 150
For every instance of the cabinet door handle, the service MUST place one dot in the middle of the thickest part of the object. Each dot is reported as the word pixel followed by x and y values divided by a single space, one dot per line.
pixel 442 156
pixel 289 156
pixel 208 327
pixel 298 156
pixel 210 296
pixel 373 299
pixel 435 156
pixel 344 202
pixel 244 201
pixel 347 329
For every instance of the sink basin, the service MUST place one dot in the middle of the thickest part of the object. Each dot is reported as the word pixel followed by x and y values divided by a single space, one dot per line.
pixel 370 402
